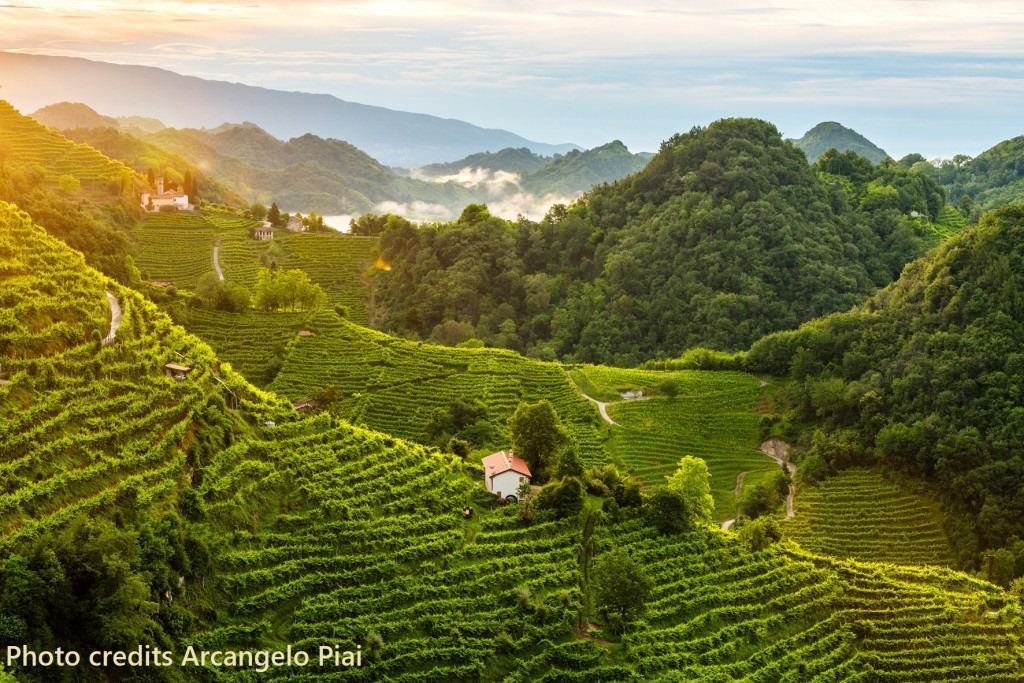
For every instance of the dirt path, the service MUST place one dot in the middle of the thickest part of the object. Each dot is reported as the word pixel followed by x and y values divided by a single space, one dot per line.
pixel 115 319
pixel 738 491
pixel 601 406
pixel 778 450
pixel 216 262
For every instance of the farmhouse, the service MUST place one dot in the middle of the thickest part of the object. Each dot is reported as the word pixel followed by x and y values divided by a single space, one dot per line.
pixel 154 202
pixel 504 473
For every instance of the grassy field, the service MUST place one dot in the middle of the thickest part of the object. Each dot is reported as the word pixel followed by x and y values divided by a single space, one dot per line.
pixel 712 417
pixel 858 514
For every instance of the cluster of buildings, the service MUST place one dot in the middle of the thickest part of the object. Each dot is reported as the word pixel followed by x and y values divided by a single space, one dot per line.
pixel 162 198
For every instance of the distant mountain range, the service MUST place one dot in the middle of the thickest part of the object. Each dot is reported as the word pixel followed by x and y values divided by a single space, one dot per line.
pixel 333 177
pixel 392 137
pixel 829 135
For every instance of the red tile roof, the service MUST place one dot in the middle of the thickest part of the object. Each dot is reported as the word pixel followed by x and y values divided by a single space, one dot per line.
pixel 503 461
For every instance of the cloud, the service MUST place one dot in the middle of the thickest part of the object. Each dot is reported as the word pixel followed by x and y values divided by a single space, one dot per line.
pixel 417 210
pixel 494 183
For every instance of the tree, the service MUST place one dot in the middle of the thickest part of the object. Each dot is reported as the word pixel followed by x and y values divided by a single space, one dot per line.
pixel 537 436
pixel 621 587
pixel 274 215
pixel 666 511
pixel 290 289
pixel 69 183
pixel 693 481
pixel 258 211
pixel 564 498
pixel 669 387
pixel 764 496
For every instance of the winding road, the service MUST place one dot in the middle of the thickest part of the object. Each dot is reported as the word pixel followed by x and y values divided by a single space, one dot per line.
pixel 216 262
pixel 602 407
pixel 777 450
pixel 115 319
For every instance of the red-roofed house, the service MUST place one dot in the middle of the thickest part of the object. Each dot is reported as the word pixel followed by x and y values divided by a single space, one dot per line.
pixel 504 473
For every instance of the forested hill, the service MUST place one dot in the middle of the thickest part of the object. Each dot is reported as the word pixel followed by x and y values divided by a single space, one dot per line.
pixel 726 235
pixel 511 159
pixel 577 171
pixel 927 376
pixel 832 135
pixel 993 178
pixel 302 174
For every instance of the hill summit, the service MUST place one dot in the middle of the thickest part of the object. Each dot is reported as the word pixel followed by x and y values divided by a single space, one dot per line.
pixel 829 135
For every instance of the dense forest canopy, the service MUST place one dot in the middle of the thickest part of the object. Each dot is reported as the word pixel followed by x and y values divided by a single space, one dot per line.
pixel 927 377
pixel 993 178
pixel 725 236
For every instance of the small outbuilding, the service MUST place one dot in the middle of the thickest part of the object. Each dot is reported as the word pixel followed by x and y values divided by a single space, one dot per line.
pixel 178 372
pixel 304 406
pixel 504 473
pixel 262 233
pixel 305 334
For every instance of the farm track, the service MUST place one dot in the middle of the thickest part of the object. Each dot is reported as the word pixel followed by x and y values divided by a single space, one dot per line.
pixel 216 263
pixel 602 407
pixel 115 319
pixel 772 448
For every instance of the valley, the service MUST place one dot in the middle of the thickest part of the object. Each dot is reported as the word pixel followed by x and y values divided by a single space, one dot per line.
pixel 194 456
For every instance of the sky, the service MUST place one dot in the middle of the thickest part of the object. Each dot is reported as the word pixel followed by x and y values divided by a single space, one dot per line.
pixel 939 77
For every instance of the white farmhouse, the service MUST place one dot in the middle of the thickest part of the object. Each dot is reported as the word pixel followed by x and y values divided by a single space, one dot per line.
pixel 504 473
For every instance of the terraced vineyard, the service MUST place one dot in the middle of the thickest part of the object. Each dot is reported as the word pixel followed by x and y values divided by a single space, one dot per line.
pixel 378 548
pixel 178 248
pixel 336 262
pixel 31 143
pixel 712 417
pixel 323 533
pixel 858 514
pixel 395 385
pixel 252 341
pixel 950 223
pixel 83 423
pixel 721 613
pixel 175 248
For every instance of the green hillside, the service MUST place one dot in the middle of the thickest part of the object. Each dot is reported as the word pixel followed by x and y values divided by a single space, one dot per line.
pixel 72 190
pixel 144 156
pixel 511 159
pixel 302 174
pixel 179 248
pixel 65 115
pixel 712 417
pixel 860 515
pixel 726 235
pixel 209 527
pixel 579 171
pixel 831 135
pixel 395 386
pixel 924 377
pixel 993 178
